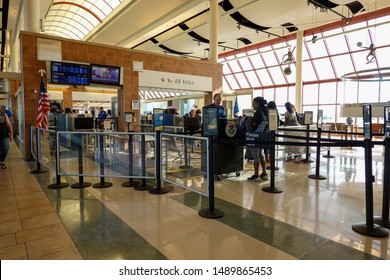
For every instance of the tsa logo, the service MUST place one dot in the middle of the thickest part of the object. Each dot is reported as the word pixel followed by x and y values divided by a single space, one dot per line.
pixel 231 130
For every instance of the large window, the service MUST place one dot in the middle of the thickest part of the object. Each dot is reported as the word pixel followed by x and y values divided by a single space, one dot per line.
pixel 337 51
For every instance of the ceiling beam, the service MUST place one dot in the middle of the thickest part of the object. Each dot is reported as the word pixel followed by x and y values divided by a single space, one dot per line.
pixel 10 75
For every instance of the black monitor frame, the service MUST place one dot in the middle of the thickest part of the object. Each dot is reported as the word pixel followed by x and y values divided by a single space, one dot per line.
pixel 69 76
pixel 104 80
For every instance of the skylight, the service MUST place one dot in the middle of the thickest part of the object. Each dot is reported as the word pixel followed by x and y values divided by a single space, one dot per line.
pixel 75 19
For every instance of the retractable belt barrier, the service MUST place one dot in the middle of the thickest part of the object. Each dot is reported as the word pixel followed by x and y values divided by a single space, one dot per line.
pixel 267 140
pixel 260 140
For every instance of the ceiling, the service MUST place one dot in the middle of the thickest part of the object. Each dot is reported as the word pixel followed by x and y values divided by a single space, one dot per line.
pixel 180 27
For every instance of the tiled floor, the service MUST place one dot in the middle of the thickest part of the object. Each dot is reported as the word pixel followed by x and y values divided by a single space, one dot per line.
pixel 29 226
pixel 310 219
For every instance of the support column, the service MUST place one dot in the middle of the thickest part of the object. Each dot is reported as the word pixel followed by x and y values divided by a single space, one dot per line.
pixel 298 64
pixel 15 56
pixel 213 55
pixel 67 99
pixel 31 15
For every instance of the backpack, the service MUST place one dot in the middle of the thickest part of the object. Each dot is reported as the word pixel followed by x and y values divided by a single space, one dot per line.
pixel 241 128
pixel 245 125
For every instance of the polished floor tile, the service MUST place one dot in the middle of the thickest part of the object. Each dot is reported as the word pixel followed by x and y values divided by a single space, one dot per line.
pixel 29 225
pixel 309 220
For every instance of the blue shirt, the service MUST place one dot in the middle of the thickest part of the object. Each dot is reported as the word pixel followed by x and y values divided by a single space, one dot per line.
pixel 9 113
pixel 221 110
pixel 102 115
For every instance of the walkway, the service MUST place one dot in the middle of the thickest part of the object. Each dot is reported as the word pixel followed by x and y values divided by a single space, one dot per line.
pixel 29 225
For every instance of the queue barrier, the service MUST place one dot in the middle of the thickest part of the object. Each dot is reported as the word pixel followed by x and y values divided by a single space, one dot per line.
pixel 116 146
pixel 105 154
pixel 366 228
pixel 101 154
pixel 35 150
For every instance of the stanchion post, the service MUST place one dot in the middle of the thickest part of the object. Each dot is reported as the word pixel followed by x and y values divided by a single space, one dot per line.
pixel 157 151
pixel 143 186
pixel 185 154
pixel 275 168
pixel 368 228
pixel 307 159
pixel 384 220
pixel 211 212
pixel 102 183
pixel 131 183
pixel 317 176
pixel 57 184
pixel 271 188
pixel 328 155
pixel 81 184
pixel 37 137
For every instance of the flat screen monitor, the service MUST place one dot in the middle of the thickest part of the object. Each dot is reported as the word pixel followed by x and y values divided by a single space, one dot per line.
pixel 67 73
pixel 104 74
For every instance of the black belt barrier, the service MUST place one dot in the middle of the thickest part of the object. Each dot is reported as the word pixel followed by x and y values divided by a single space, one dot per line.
pixel 369 228
pixel 384 220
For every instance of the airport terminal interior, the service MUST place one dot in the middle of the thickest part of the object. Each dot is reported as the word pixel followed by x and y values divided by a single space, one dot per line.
pixel 125 170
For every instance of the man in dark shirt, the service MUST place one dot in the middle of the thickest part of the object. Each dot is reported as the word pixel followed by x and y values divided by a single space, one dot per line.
pixel 8 112
pixel 217 103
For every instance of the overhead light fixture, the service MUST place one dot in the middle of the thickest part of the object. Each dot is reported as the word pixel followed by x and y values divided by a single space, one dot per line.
pixel 238 25
pixel 287 71
pixel 323 8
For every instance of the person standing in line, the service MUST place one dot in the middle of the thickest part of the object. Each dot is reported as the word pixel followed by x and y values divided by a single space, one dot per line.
pixel 258 124
pixel 5 137
pixel 290 117
pixel 101 117
pixel 198 116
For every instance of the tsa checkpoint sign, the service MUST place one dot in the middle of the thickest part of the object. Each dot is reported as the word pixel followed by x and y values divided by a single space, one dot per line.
pixel 168 80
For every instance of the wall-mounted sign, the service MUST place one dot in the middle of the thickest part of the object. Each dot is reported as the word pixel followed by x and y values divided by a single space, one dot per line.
pixel 134 104
pixel 129 117
pixel 168 80
pixel 49 50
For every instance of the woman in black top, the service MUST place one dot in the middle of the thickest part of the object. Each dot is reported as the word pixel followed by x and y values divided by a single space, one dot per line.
pixel 258 124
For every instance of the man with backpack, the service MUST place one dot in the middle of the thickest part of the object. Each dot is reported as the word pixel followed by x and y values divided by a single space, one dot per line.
pixel 5 137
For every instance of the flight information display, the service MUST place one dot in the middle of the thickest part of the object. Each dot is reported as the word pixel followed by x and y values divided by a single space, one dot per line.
pixel 69 73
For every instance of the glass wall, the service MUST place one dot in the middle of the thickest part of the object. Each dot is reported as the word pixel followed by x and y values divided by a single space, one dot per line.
pixel 339 49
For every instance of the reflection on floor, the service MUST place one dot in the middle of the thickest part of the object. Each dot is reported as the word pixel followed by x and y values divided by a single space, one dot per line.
pixel 310 219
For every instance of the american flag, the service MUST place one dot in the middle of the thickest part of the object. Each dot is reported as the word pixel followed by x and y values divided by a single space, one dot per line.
pixel 43 107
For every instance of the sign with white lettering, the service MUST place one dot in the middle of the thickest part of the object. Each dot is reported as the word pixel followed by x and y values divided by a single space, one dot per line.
pixel 167 80
pixel 210 125
pixel 158 119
